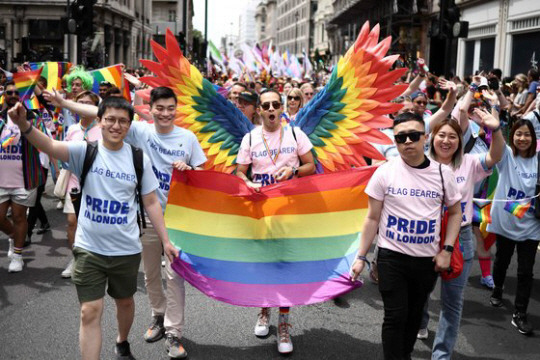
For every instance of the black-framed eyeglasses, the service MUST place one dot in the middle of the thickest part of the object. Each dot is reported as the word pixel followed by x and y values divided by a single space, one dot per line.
pixel 297 98
pixel 123 122
pixel 275 104
pixel 413 135
pixel 12 92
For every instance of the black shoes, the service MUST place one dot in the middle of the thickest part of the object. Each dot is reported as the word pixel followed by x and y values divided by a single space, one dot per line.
pixel 43 229
pixel 519 320
pixel 496 297
pixel 123 351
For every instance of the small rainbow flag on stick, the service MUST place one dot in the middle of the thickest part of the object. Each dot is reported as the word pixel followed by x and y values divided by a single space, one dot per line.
pixel 32 103
pixel 516 208
pixel 293 243
pixel 25 82
pixel 53 72
pixel 113 74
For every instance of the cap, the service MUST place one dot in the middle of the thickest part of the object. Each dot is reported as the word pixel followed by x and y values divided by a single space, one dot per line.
pixel 249 96
pixel 483 82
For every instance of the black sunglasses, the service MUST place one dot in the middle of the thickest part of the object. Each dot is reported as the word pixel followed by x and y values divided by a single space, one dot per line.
pixel 297 98
pixel 413 135
pixel 275 104
pixel 103 83
pixel 12 92
pixel 421 102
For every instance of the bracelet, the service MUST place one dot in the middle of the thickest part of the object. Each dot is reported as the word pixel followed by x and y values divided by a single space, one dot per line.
pixel 473 87
pixel 28 131
pixel 363 258
pixel 496 129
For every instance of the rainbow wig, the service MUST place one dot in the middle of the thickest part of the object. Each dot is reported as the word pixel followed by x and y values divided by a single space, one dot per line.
pixel 78 72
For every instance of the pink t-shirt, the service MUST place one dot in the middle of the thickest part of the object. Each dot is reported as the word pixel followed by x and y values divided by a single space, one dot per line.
pixel 472 169
pixel 11 165
pixel 263 168
pixel 76 133
pixel 411 214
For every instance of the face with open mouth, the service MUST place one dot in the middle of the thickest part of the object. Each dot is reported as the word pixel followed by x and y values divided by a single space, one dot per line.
pixel 270 110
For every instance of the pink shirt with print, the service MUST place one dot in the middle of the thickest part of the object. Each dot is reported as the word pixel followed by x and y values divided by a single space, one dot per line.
pixel 11 165
pixel 256 154
pixel 411 214
pixel 76 133
pixel 472 169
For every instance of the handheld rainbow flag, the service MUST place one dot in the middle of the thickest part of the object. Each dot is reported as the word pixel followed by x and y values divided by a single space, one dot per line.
pixel 25 82
pixel 291 244
pixel 53 72
pixel 517 208
pixel 113 74
pixel 481 214
pixel 32 103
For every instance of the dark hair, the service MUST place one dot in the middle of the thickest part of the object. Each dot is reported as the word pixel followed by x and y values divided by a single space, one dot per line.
pixel 519 123
pixel 8 83
pixel 457 158
pixel 408 116
pixel 266 91
pixel 533 73
pixel 497 73
pixel 240 84
pixel 113 91
pixel 43 81
pixel 115 103
pixel 162 92
pixel 91 95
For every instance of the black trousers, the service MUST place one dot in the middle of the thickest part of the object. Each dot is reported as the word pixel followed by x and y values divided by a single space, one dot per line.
pixel 37 211
pixel 526 255
pixel 405 283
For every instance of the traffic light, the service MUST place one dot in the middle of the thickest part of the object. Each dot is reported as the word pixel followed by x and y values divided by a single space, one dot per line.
pixel 81 20
pixel 182 41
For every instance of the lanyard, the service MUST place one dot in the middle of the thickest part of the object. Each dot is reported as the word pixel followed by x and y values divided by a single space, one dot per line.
pixel 274 159
pixel 85 136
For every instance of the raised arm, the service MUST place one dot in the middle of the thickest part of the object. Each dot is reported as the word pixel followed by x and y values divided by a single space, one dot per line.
pixel 53 148
pixel 448 104
pixel 496 148
pixel 84 110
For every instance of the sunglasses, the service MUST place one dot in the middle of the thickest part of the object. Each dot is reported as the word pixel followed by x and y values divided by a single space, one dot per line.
pixel 103 83
pixel 421 102
pixel 297 98
pixel 12 92
pixel 275 104
pixel 413 135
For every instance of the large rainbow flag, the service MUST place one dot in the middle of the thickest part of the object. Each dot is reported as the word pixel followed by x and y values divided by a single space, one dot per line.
pixel 113 74
pixel 25 82
pixel 293 243
pixel 52 71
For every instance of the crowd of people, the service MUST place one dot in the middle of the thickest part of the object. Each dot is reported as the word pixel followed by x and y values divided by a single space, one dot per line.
pixel 109 162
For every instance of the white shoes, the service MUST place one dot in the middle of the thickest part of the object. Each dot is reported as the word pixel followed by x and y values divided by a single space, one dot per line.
pixel 10 251
pixel 285 345
pixel 66 274
pixel 262 326
pixel 16 264
pixel 60 205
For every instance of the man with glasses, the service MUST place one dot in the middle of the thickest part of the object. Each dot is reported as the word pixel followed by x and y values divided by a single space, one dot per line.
pixel 107 249
pixel 406 196
pixel 275 153
pixel 19 178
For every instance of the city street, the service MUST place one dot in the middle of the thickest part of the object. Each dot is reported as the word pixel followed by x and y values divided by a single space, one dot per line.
pixel 39 317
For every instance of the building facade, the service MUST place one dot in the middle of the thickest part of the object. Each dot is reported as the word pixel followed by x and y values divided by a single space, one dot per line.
pixel 247 24
pixel 266 22
pixel 176 15
pixel 33 30
pixel 294 25
pixel 321 17
pixel 502 34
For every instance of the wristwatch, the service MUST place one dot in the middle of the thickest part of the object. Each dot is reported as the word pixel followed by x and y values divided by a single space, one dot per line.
pixel 448 248
pixel 295 171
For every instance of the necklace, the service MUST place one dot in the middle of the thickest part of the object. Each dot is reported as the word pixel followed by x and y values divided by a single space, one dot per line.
pixel 275 157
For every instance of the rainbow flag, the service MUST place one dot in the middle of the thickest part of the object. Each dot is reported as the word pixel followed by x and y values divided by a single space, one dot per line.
pixel 25 82
pixel 52 71
pixel 516 208
pixel 32 103
pixel 113 74
pixel 482 214
pixel 8 139
pixel 293 243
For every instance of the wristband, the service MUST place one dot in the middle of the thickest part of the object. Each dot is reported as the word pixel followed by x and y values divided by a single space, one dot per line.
pixel 448 248
pixel 496 129
pixel 364 259
pixel 28 131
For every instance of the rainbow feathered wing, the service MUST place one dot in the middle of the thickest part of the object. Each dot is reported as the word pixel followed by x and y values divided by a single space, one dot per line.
pixel 340 121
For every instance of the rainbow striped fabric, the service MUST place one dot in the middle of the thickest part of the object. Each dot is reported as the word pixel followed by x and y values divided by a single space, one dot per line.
pixel 113 74
pixel 25 82
pixel 291 244
pixel 482 214
pixel 32 103
pixel 53 72
pixel 517 208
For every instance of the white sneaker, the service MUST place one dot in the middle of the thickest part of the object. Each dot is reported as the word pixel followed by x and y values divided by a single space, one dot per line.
pixel 66 274
pixel 422 334
pixel 284 339
pixel 16 264
pixel 262 326
pixel 60 205
pixel 10 251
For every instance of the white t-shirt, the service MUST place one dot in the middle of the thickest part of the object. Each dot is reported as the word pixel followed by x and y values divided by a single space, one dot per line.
pixel 517 180
pixel 534 120
pixel 163 150
pixel 107 222
pixel 411 214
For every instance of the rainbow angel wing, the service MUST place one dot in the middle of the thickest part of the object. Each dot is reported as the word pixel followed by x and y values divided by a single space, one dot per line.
pixel 343 118
pixel 218 124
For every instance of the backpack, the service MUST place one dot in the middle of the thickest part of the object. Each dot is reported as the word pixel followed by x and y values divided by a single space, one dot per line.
pixel 89 157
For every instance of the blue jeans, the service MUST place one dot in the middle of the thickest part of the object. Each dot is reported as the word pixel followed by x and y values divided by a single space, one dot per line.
pixel 452 301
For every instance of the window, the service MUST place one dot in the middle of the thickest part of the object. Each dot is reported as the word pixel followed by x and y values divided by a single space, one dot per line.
pixel 172 15
pixel 523 47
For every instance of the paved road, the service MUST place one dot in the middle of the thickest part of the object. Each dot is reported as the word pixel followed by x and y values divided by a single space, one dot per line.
pixel 39 318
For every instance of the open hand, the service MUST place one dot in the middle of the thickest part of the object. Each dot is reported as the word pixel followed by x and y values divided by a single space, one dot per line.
pixel 486 118
pixel 53 97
